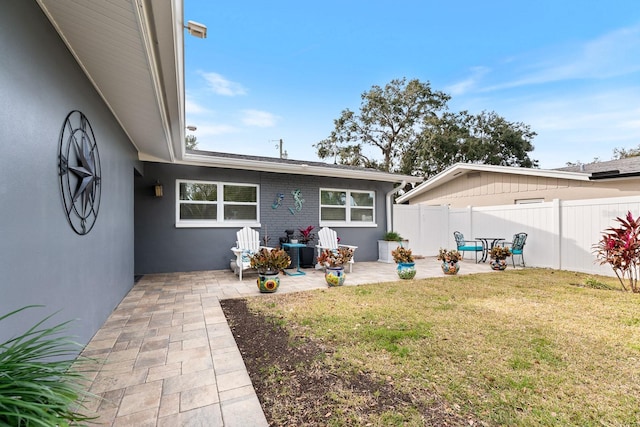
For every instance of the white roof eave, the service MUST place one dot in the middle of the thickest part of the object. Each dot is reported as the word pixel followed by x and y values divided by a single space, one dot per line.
pixel 291 168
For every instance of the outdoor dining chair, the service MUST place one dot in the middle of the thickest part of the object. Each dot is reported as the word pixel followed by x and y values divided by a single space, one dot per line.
pixel 517 247
pixel 467 245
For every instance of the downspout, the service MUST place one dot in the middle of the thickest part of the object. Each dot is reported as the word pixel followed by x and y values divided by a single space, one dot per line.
pixel 390 204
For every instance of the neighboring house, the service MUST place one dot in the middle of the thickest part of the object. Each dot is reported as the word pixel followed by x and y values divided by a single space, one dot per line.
pixel 466 184
pixel 119 66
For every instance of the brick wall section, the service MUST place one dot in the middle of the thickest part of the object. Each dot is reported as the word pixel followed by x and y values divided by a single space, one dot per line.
pixel 276 221
pixel 160 247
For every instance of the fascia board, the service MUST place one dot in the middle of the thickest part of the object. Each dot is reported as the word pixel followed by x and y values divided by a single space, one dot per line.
pixel 294 168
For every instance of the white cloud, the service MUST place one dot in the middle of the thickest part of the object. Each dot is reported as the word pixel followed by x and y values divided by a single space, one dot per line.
pixel 573 127
pixel 614 54
pixel 259 118
pixel 222 86
pixel 192 107
pixel 469 83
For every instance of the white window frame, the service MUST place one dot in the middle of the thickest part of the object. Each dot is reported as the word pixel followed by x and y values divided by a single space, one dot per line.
pixel 220 204
pixel 528 201
pixel 348 222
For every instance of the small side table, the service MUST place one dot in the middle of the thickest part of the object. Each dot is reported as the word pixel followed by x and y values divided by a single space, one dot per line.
pixel 298 272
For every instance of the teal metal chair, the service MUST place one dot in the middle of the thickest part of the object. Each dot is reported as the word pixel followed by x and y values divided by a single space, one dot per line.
pixel 467 245
pixel 517 247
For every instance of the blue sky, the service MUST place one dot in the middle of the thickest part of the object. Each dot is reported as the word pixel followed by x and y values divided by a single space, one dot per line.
pixel 285 70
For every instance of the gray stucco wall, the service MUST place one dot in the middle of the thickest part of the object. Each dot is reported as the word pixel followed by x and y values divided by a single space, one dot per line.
pixel 161 247
pixel 42 260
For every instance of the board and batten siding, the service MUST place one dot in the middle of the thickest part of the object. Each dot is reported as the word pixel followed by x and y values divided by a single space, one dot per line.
pixel 491 188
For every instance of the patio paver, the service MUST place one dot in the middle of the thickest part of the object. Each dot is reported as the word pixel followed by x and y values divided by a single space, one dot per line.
pixel 170 358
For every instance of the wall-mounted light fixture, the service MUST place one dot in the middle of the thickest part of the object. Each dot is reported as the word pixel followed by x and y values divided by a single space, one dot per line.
pixel 196 29
pixel 158 189
pixel 192 128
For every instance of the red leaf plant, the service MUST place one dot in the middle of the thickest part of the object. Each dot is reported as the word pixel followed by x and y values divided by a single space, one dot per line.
pixel 620 248
pixel 306 234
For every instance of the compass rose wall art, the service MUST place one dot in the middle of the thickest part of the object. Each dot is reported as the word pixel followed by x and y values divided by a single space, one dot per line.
pixel 79 170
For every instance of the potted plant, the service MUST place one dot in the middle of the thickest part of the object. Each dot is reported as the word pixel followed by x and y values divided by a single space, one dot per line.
pixel 406 262
pixel 334 260
pixel 499 255
pixel 391 240
pixel 269 262
pixel 305 237
pixel 450 260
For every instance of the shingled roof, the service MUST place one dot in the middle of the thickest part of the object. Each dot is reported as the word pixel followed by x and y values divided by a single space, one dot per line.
pixel 608 169
pixel 301 167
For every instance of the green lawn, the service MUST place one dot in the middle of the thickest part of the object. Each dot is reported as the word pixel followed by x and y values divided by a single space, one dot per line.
pixel 518 348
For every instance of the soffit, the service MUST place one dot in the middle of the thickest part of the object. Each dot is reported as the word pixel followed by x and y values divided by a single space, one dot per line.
pixel 127 49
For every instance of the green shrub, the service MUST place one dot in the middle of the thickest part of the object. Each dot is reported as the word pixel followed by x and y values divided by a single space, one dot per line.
pixel 392 236
pixel 40 384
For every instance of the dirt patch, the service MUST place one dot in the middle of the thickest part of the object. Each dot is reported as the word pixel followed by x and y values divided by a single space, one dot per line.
pixel 299 383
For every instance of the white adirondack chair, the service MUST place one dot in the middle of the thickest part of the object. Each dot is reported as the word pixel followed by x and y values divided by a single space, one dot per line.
pixel 248 243
pixel 328 239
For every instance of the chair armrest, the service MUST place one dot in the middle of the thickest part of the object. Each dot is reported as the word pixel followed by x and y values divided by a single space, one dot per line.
pixel 347 246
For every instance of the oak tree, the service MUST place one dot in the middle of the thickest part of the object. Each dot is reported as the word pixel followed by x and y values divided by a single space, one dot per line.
pixel 408 122
pixel 389 119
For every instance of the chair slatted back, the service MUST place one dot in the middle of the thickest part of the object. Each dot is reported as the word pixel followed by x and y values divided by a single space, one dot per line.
pixel 248 238
pixel 459 238
pixel 328 238
pixel 519 240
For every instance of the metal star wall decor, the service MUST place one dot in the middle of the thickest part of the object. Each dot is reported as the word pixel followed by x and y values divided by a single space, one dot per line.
pixel 80 174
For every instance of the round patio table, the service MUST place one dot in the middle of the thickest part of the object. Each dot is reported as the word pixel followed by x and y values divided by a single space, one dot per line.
pixel 487 244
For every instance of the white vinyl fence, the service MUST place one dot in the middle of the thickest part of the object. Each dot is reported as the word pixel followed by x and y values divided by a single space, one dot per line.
pixel 560 233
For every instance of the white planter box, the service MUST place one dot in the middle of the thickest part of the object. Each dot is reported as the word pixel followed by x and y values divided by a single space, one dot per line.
pixel 385 247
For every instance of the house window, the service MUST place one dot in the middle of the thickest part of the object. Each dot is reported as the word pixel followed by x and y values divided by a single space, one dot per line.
pixel 347 207
pixel 527 201
pixel 216 204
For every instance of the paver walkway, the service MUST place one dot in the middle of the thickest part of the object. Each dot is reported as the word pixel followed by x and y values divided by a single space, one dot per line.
pixel 170 358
